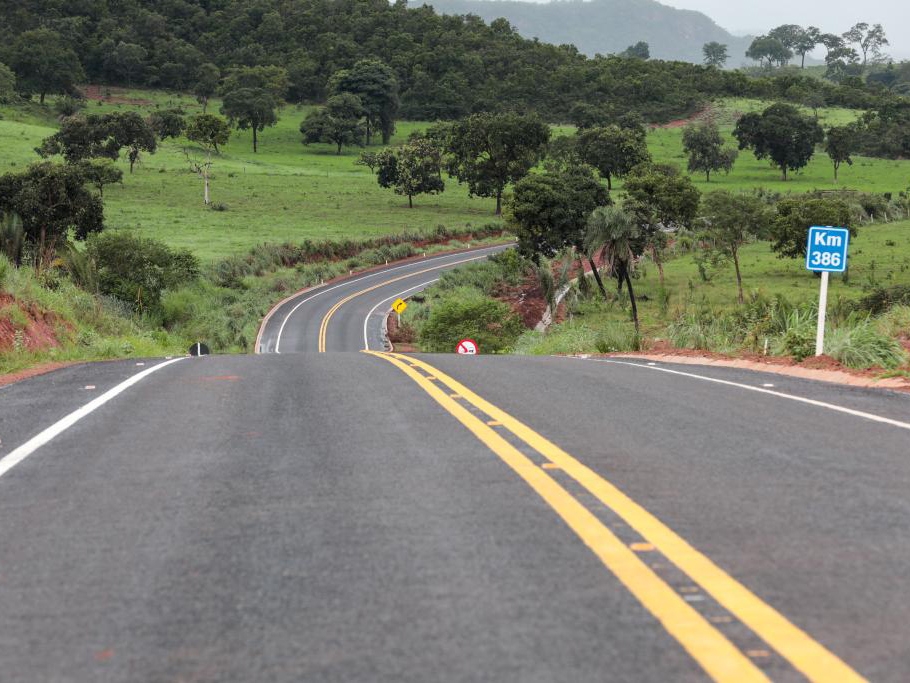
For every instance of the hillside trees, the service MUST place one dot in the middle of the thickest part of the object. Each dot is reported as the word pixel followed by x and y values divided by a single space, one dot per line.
pixel 168 123
pixel 715 54
pixel 7 84
pixel 780 133
pixel 51 200
pixel 44 64
pixel 705 147
pixel 126 63
pixel 338 123
pixel 207 79
pixel 869 40
pixel 250 108
pixel 490 151
pixel 612 150
pixel 377 87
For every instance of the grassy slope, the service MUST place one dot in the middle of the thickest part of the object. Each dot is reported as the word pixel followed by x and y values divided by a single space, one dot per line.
pixel 287 191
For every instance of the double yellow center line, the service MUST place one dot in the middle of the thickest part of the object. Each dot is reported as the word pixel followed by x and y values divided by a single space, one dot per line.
pixel 714 652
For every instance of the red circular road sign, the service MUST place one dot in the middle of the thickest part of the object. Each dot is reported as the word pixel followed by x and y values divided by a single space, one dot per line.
pixel 467 347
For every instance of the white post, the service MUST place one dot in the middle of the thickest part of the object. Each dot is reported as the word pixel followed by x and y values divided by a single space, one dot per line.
pixel 822 306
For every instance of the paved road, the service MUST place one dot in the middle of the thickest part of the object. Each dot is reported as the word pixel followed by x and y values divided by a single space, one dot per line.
pixel 375 517
pixel 314 320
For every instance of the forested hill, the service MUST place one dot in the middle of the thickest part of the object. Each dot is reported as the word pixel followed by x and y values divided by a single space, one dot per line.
pixel 607 26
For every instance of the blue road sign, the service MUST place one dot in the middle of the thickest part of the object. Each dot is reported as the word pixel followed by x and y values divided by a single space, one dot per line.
pixel 827 249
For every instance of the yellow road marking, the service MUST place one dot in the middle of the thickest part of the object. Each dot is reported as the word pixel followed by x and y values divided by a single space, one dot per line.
pixel 550 466
pixel 642 547
pixel 807 655
pixel 722 660
pixel 328 316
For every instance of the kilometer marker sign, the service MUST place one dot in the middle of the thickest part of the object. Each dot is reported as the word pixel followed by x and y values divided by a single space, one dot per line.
pixel 467 347
pixel 826 252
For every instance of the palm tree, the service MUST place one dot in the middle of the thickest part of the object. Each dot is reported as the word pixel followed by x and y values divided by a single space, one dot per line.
pixel 610 233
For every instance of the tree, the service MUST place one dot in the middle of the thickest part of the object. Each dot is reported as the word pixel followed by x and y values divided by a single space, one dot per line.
pixel 638 51
pixel 733 220
pixel 662 199
pixel 415 168
pixel 549 211
pixel 377 87
pixel 715 54
pixel 706 150
pixel 272 79
pixel 842 61
pixel 612 150
pixel 840 143
pixel 790 227
pixel 253 108
pixel 103 136
pixel 208 132
pixel 100 172
pixel 337 123
pixel 44 65
pixel 805 42
pixel 611 233
pixel 869 40
pixel 489 151
pixel 168 123
pixel 126 61
pixel 51 200
pixel 7 84
pixel 207 79
pixel 780 133
pixel 770 49
pixel 130 130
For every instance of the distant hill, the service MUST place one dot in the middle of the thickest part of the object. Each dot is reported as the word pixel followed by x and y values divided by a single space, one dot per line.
pixel 606 26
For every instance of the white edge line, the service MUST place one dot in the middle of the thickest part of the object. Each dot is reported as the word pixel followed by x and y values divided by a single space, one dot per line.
pixel 366 343
pixel 22 452
pixel 355 279
pixel 761 390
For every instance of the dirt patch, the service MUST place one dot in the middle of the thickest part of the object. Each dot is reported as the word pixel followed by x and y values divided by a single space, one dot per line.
pixel 702 115
pixel 26 327
pixel 525 299
pixel 14 377
pixel 112 96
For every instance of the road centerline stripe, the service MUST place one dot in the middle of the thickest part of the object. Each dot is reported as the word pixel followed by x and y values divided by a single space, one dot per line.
pixel 710 648
pixel 19 454
pixel 808 656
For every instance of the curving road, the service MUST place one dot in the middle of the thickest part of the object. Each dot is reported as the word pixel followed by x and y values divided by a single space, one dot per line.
pixel 381 517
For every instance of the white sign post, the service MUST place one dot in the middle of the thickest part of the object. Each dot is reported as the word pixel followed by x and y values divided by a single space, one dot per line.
pixel 826 252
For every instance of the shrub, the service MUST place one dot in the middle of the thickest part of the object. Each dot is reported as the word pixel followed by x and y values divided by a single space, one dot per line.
pixel 136 270
pixel 465 312
pixel 5 267
pixel 860 345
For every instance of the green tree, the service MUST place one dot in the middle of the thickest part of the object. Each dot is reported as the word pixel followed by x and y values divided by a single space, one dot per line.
pixel 612 150
pixel 7 84
pixel 168 123
pixel 101 136
pixel 715 54
pixel 549 211
pixel 130 130
pixel 337 123
pixel 126 62
pixel 376 85
pixel 44 65
pixel 208 132
pixel 208 76
pixel 51 200
pixel 490 151
pixel 100 172
pixel 733 220
pixel 250 108
pixel 272 79
pixel 639 50
pixel 869 40
pixel 662 199
pixel 840 143
pixel 610 235
pixel 772 50
pixel 780 133
pixel 805 42
pixel 795 215
pixel 417 169
pixel 705 147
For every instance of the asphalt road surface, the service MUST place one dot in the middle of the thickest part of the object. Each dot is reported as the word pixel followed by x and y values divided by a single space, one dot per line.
pixel 379 517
